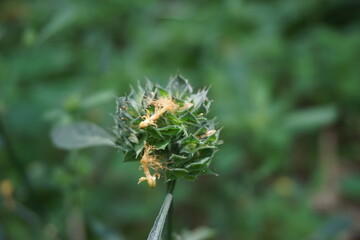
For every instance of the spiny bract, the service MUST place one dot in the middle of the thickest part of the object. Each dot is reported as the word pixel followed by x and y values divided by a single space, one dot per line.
pixel 167 130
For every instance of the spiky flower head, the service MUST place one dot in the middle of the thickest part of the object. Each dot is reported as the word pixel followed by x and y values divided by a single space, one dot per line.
pixel 167 130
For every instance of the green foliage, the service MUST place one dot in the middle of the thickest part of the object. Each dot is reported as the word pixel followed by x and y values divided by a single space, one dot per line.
pixel 284 73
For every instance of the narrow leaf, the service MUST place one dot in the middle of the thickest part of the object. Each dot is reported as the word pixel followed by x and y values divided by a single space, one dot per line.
pixel 156 230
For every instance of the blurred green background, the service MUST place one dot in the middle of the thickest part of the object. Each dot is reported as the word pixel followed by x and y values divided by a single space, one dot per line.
pixel 285 77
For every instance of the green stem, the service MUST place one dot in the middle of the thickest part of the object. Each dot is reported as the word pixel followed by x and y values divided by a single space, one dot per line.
pixel 170 189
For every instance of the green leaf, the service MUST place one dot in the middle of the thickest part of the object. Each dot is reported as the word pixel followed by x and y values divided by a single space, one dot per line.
pixel 191 177
pixel 130 156
pixel 133 108
pixel 60 21
pixel 177 158
pixel 203 171
pixel 189 148
pixel 311 118
pixel 80 135
pixel 199 99
pixel 138 148
pixel 213 138
pixel 156 230
pixel 201 131
pixel 179 86
pixel 154 132
pixel 178 172
pixel 127 107
pixel 201 109
pixel 207 151
pixel 172 119
pixel 162 92
pixel 148 87
pixel 190 140
pixel 170 130
pixel 199 164
pixel 162 145
pixel 189 118
pixel 133 138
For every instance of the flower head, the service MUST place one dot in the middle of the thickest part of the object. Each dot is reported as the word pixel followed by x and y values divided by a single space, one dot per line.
pixel 167 131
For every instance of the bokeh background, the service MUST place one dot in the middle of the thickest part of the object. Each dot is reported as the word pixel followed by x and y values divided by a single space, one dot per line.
pixel 285 77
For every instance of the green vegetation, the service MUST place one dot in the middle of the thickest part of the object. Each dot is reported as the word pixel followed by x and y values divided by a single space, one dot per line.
pixel 165 129
pixel 285 78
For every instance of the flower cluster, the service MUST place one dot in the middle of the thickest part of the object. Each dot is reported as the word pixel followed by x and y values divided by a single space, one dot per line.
pixel 167 130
